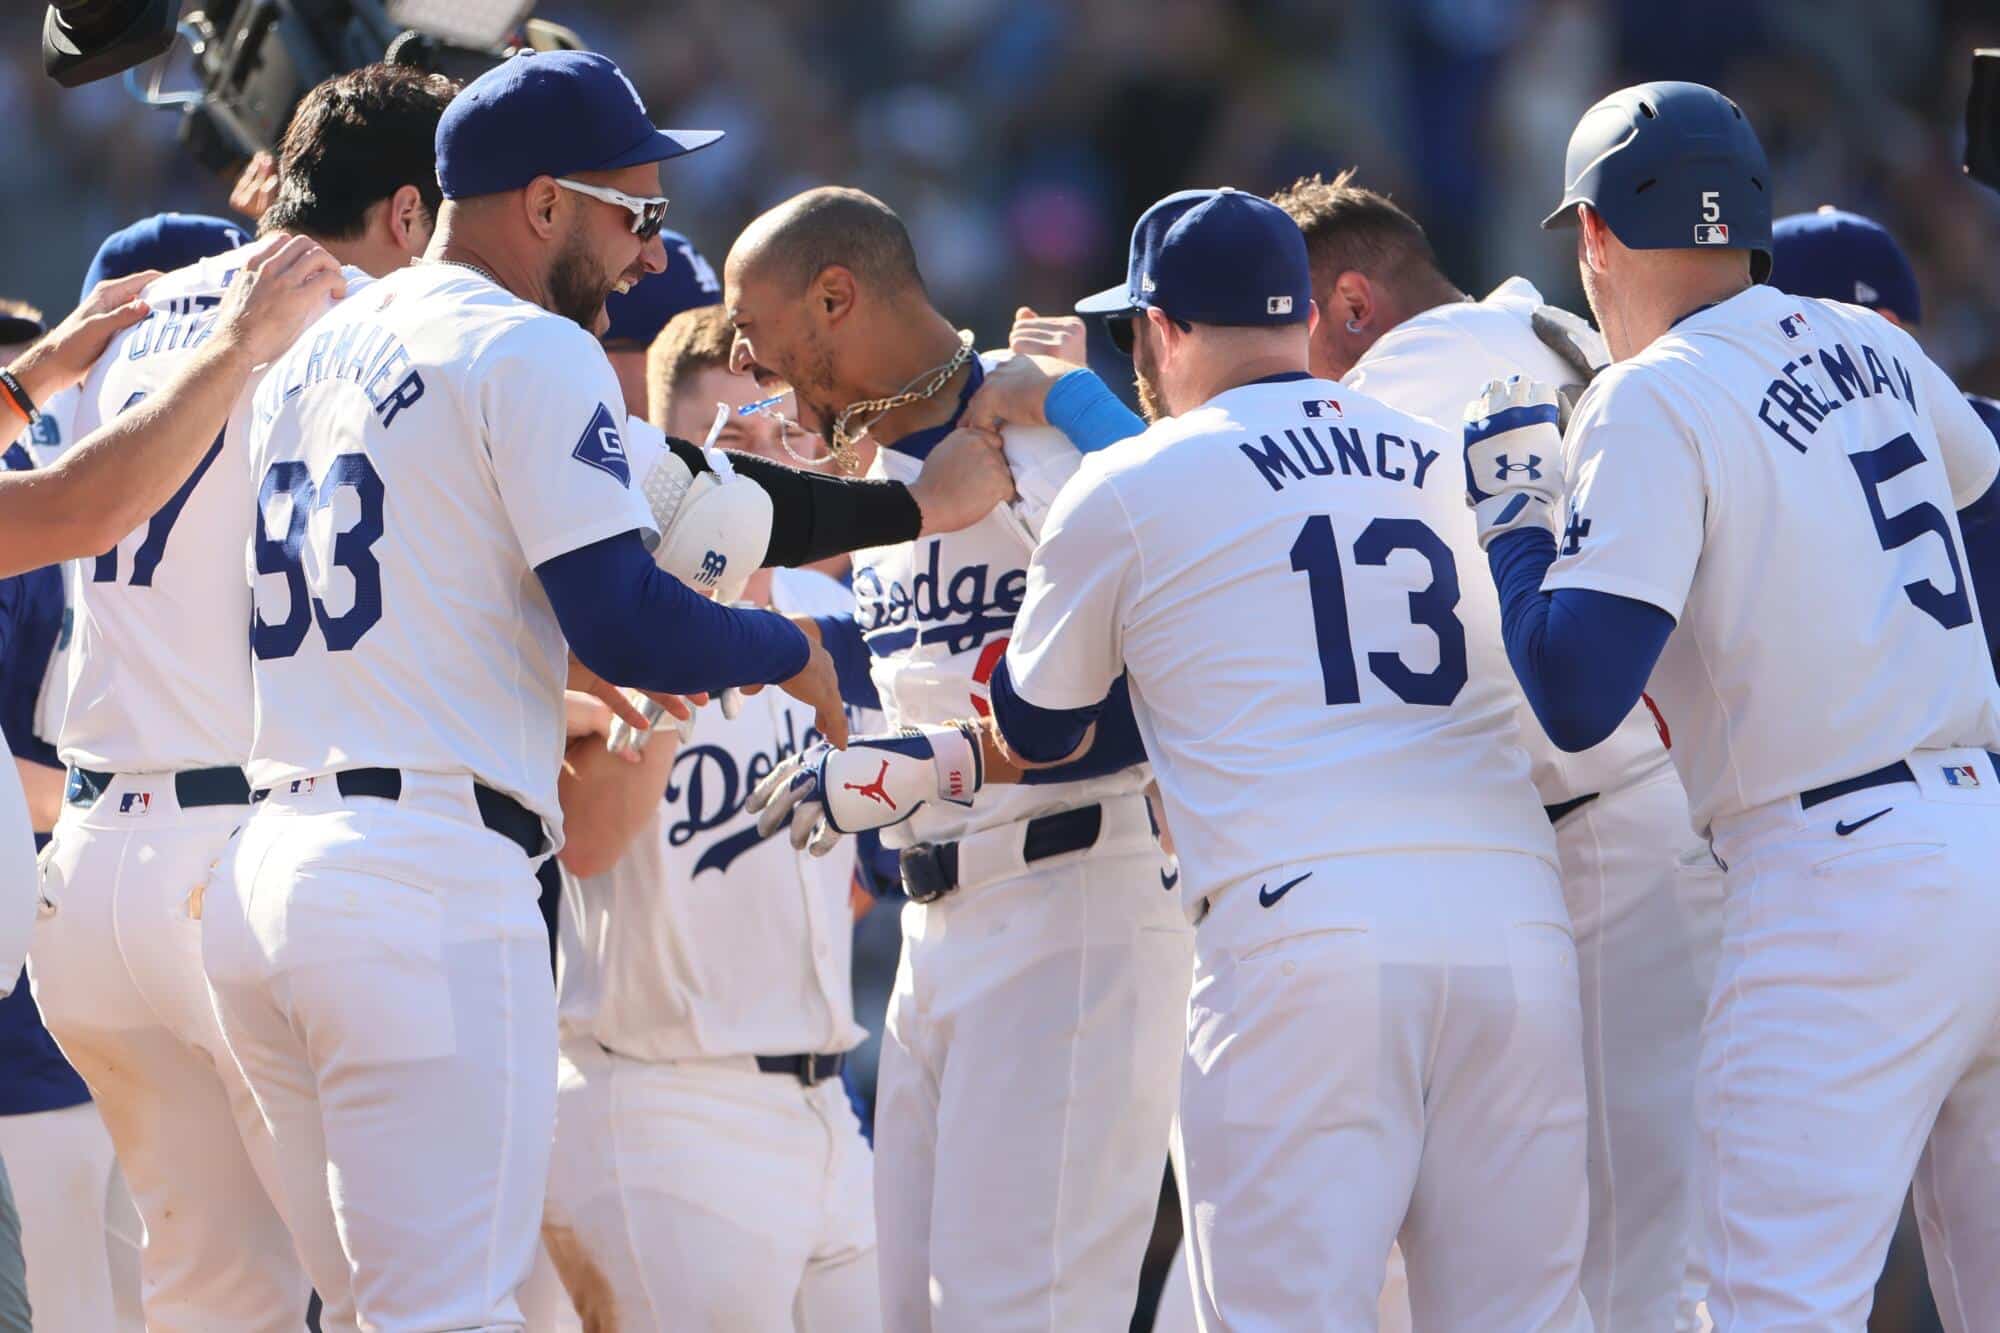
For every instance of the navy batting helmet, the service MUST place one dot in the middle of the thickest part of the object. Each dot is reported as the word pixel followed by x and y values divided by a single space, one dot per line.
pixel 1671 166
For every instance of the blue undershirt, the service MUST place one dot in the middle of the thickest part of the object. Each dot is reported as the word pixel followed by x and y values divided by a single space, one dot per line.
pixel 634 624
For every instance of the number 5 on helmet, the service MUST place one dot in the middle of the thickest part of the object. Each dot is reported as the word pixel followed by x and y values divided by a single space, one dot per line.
pixel 1513 456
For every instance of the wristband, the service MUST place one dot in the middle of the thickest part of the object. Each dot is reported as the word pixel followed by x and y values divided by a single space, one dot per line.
pixel 17 397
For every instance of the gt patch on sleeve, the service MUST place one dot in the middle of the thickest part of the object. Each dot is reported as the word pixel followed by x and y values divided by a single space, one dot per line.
pixel 602 448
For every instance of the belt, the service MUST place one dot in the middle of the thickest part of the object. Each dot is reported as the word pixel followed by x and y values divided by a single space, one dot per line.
pixel 193 787
pixel 1575 803
pixel 1881 777
pixel 807 1069
pixel 930 869
pixel 497 810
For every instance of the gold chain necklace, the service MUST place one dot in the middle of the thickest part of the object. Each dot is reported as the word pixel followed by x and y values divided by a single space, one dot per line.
pixel 841 446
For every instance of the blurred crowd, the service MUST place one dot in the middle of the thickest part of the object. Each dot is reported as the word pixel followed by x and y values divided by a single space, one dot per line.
pixel 1020 138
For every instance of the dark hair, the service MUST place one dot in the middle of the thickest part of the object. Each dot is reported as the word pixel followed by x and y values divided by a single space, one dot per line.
pixel 357 138
pixel 1349 227
pixel 834 224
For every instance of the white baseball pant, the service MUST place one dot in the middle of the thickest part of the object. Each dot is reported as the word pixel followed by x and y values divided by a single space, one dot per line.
pixel 1392 1049
pixel 705 1195
pixel 381 970
pixel 116 965
pixel 1852 1043
pixel 63 1173
pixel 1027 1085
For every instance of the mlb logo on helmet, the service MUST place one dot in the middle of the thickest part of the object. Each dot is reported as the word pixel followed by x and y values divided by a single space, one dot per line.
pixel 1315 407
pixel 1711 233
pixel 1794 325
pixel 135 803
pixel 1961 775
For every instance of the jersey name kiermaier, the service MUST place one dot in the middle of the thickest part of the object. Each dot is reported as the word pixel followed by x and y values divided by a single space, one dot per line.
pixel 1781 475
pixel 1433 364
pixel 413 457
pixel 936 615
pixel 1281 572
pixel 704 939
pixel 159 660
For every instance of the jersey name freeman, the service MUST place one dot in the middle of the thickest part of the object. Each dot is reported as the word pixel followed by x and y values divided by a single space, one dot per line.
pixel 1807 398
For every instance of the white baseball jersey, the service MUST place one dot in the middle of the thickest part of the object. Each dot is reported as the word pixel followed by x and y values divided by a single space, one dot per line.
pixel 159 664
pixel 414 456
pixel 1433 364
pixel 936 615
pixel 1781 475
pixel 1281 570
pixel 704 939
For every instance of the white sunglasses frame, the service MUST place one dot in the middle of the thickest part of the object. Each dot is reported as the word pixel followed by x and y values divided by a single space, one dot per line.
pixel 634 204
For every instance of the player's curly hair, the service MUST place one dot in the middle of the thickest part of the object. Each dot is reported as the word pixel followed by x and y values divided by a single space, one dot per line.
pixel 356 138
pixel 1348 226
pixel 692 341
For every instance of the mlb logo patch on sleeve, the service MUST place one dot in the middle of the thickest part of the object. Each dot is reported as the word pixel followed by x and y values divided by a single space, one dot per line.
pixel 135 802
pixel 1961 775
pixel 1322 407
pixel 602 447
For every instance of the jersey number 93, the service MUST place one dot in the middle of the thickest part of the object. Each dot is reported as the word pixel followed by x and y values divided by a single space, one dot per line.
pixel 285 554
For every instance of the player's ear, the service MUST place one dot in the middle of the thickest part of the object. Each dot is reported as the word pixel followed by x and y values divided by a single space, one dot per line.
pixel 1353 298
pixel 1312 318
pixel 1591 235
pixel 409 219
pixel 834 292
pixel 540 201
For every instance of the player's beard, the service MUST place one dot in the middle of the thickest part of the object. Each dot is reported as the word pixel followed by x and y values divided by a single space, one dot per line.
pixel 1145 381
pixel 578 283
pixel 811 378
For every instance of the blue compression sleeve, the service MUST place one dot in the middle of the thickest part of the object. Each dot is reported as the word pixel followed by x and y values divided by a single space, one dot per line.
pixel 1042 735
pixel 1082 406
pixel 1979 524
pixel 841 637
pixel 1582 657
pixel 634 624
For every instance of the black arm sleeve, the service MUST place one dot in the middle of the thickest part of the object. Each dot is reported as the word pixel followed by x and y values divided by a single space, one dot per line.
pixel 814 516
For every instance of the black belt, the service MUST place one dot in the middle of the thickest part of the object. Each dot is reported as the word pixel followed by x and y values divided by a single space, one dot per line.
pixel 1881 777
pixel 807 1069
pixel 497 810
pixel 193 787
pixel 1561 808
pixel 930 869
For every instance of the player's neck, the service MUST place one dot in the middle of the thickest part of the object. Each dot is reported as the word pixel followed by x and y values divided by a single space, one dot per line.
pixel 922 346
pixel 516 276
pixel 1638 318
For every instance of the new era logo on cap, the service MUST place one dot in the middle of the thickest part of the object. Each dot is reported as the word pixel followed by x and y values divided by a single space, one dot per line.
pixel 1794 325
pixel 1711 233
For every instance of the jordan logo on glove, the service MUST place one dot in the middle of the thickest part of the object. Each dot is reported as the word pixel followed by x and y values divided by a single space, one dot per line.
pixel 874 791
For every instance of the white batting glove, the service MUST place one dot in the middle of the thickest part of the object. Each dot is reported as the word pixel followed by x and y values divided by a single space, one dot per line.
pixel 1513 457
pixel 875 782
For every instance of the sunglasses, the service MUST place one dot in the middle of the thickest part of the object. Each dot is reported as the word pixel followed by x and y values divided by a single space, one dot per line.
pixel 649 213
pixel 1124 330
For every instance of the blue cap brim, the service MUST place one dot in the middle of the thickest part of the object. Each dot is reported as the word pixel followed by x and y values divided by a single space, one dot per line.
pixel 1111 301
pixel 659 146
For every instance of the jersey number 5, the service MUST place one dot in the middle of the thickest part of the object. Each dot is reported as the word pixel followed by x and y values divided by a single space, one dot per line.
pixel 1316 554
pixel 284 554
pixel 1875 466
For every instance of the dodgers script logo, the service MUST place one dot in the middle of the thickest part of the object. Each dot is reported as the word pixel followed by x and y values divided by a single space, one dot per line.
pixel 601 447
pixel 959 611
pixel 710 783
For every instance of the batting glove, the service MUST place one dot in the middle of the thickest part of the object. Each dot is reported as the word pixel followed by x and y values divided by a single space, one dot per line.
pixel 1513 457
pixel 875 782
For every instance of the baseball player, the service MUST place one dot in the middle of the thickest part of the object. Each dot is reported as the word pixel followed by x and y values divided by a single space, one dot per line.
pixel 707 1170
pixel 156 731
pixel 1297 645
pixel 444 498
pixel 1758 511
pixel 638 315
pixel 1643 896
pixel 1028 1064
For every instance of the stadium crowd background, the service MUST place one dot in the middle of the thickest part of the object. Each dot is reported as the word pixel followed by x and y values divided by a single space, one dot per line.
pixel 1019 138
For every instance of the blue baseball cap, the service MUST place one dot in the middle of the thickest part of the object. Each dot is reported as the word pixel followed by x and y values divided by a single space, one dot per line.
pixel 687 281
pixel 549 113
pixel 1840 256
pixel 165 241
pixel 1213 257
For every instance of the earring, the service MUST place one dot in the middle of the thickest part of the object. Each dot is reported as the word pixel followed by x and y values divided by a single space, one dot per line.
pixel 1354 326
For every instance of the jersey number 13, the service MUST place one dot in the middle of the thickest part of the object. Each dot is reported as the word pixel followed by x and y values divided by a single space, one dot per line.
pixel 1316 554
